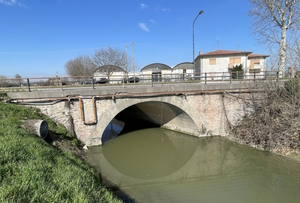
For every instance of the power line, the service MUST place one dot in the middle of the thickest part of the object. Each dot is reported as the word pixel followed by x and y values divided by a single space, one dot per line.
pixel 62 51
pixel 162 47
pixel 87 49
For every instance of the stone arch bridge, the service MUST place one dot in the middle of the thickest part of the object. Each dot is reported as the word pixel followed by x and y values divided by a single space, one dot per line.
pixel 195 109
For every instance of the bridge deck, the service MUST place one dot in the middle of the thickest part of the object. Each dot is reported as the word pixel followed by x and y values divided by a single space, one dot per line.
pixel 135 89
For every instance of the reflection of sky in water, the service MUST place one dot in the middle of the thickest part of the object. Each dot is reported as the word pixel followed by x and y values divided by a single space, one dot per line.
pixel 147 156
pixel 112 130
pixel 163 166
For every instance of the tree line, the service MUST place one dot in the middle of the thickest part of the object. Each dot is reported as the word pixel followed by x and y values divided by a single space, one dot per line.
pixel 111 58
pixel 8 82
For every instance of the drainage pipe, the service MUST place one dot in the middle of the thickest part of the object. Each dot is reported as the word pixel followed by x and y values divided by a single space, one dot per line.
pixel 38 127
pixel 82 117
pixel 37 104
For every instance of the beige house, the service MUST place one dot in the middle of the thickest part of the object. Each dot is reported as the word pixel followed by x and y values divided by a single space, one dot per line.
pixel 217 64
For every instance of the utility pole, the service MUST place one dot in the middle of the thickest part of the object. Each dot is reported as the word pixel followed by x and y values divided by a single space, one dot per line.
pixel 126 67
pixel 133 63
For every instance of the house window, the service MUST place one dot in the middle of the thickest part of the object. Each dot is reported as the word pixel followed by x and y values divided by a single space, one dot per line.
pixel 253 63
pixel 234 61
pixel 212 61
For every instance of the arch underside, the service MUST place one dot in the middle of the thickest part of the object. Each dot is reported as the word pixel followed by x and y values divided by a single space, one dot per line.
pixel 171 112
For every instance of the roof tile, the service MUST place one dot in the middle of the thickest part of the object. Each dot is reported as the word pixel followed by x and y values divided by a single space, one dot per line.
pixel 225 52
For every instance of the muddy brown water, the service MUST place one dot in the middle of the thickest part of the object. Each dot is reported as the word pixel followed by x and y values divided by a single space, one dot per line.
pixel 157 165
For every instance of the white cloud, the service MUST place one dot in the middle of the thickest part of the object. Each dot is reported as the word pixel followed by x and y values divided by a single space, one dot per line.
pixel 8 2
pixel 21 5
pixel 143 6
pixel 152 21
pixel 143 27
pixel 159 8
pixel 12 3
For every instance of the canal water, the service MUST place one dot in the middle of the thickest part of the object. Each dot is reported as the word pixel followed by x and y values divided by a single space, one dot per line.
pixel 157 165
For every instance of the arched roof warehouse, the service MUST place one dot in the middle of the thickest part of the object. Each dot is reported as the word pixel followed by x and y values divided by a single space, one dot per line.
pixel 156 67
pixel 112 67
pixel 184 65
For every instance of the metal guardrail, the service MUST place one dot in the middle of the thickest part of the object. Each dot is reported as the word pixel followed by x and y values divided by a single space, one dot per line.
pixel 27 84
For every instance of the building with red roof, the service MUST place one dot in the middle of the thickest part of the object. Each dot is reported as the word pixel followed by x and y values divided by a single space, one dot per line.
pixel 220 62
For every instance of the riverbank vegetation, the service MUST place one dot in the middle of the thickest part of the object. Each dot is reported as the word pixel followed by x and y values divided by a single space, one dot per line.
pixel 275 123
pixel 33 170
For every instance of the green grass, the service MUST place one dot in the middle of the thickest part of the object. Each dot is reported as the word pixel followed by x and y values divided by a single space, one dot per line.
pixel 31 170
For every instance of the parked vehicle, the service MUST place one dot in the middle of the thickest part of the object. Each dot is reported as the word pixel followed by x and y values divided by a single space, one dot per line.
pixel 133 79
pixel 100 80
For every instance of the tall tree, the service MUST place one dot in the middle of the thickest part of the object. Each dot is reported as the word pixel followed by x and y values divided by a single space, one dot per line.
pixel 271 21
pixel 80 66
pixel 111 59
pixel 18 80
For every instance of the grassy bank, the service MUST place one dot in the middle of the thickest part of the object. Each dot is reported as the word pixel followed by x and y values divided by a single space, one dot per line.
pixel 34 171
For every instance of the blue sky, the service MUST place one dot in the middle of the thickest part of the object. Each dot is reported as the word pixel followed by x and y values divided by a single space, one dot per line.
pixel 38 37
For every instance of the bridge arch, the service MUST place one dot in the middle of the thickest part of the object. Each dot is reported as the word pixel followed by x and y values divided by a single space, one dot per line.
pixel 178 102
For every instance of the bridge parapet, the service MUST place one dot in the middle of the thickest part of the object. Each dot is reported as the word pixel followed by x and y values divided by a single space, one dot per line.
pixel 140 89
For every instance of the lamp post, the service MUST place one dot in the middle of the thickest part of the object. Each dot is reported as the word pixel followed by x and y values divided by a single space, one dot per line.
pixel 200 12
pixel 193 34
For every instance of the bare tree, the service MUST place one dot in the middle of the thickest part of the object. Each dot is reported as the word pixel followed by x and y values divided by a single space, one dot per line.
pixel 18 80
pixel 128 64
pixel 271 21
pixel 3 81
pixel 293 51
pixel 112 59
pixel 80 66
pixel 272 63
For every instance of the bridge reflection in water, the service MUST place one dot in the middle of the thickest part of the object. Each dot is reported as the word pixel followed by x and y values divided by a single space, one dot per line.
pixel 156 165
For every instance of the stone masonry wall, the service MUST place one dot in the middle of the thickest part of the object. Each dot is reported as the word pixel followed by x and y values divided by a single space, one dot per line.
pixel 217 110
pixel 61 112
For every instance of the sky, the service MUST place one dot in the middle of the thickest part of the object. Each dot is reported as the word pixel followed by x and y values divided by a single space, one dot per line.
pixel 38 37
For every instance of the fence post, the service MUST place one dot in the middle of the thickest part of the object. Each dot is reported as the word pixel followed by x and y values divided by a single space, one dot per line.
pixel 152 80
pixel 205 78
pixel 265 72
pixel 28 85
pixel 61 84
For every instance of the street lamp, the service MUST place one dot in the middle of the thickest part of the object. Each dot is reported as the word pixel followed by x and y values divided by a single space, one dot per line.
pixel 193 36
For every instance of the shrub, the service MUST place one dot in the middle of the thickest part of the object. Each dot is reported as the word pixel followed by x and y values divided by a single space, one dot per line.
pixel 237 72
